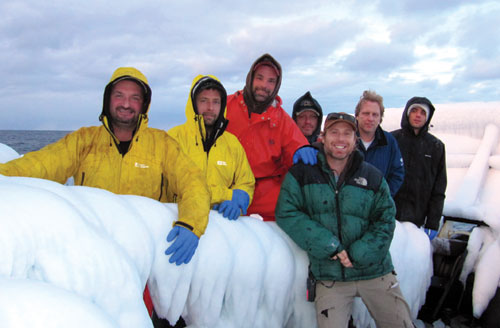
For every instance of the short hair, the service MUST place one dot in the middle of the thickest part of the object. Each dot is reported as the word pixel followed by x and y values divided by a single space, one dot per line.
pixel 370 95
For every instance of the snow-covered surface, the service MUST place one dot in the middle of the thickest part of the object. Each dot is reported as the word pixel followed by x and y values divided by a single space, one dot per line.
pixel 99 249
pixel 80 257
pixel 7 153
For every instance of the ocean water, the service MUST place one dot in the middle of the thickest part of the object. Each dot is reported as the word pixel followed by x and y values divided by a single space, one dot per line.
pixel 24 141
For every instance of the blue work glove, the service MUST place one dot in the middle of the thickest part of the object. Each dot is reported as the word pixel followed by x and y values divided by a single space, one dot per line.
pixel 231 208
pixel 242 199
pixel 307 155
pixel 184 246
pixel 430 233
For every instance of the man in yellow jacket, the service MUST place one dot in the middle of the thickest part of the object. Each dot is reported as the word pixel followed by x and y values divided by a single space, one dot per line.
pixel 217 153
pixel 125 156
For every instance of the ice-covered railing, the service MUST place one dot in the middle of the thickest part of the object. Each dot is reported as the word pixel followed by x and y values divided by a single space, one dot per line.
pixel 88 251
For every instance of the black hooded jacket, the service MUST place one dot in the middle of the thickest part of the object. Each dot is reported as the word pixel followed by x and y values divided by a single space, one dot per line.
pixel 421 197
pixel 307 101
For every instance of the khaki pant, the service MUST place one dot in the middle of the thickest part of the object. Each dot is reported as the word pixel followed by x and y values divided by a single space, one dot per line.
pixel 382 296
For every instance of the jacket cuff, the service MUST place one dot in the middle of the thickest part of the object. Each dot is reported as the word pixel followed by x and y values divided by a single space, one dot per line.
pixel 184 225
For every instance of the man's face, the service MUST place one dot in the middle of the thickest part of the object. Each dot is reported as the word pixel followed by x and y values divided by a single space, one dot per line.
pixel 307 121
pixel 126 103
pixel 208 103
pixel 417 117
pixel 368 117
pixel 264 82
pixel 339 141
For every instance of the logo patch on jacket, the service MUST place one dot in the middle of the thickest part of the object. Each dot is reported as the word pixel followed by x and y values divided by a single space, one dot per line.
pixel 141 166
pixel 361 181
pixel 221 163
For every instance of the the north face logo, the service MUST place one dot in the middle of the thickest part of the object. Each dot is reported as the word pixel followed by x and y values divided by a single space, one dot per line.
pixel 361 181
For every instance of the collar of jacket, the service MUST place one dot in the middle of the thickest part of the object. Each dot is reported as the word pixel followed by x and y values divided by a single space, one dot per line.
pixel 273 113
pixel 196 124
pixel 142 124
pixel 379 140
pixel 353 163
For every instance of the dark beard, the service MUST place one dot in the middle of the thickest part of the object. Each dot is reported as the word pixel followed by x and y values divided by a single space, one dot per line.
pixel 124 124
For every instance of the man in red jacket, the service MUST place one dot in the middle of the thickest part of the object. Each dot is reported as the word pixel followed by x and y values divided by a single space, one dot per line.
pixel 271 139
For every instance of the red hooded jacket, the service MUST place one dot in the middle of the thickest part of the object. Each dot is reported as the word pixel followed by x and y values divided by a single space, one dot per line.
pixel 270 140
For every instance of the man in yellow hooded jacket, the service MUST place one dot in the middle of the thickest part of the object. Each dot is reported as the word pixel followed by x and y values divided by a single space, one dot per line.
pixel 217 153
pixel 125 156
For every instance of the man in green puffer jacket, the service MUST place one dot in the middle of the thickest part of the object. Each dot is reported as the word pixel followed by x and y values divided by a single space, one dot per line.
pixel 341 213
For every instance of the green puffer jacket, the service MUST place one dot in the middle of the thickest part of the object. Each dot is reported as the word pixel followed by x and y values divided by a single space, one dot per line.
pixel 324 217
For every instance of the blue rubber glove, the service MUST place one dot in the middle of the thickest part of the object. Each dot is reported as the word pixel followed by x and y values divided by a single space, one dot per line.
pixel 430 233
pixel 307 155
pixel 231 208
pixel 242 199
pixel 184 246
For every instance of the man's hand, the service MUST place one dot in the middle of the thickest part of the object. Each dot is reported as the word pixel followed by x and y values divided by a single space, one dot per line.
pixel 307 155
pixel 184 246
pixel 344 259
pixel 231 208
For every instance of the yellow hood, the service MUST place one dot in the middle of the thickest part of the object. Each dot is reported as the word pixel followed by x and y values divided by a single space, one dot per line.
pixel 195 121
pixel 126 73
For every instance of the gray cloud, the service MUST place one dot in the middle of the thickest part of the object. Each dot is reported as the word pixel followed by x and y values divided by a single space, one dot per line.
pixel 58 56
pixel 378 57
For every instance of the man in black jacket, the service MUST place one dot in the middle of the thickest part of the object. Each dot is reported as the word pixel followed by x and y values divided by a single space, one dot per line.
pixel 308 115
pixel 421 197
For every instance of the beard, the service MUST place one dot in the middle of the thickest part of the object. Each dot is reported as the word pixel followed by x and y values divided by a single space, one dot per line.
pixel 123 122
pixel 261 95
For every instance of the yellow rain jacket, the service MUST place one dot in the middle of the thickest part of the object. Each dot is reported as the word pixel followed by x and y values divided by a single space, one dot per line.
pixel 154 165
pixel 226 165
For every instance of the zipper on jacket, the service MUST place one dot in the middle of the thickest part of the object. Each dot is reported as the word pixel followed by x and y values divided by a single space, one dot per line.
pixel 83 178
pixel 339 227
pixel 161 187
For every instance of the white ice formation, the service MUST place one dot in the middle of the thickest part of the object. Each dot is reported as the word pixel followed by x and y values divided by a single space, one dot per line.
pixel 80 257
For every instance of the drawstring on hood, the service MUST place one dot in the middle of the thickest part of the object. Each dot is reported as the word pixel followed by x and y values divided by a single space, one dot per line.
pixel 405 122
pixel 260 107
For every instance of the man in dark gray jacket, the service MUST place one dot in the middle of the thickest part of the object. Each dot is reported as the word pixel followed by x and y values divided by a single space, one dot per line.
pixel 421 197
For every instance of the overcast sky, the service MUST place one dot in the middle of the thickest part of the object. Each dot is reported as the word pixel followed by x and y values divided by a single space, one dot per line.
pixel 57 56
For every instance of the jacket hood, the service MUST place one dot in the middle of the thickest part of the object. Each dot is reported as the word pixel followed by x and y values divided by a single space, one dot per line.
pixel 193 119
pixel 405 123
pixel 259 107
pixel 126 73
pixel 308 102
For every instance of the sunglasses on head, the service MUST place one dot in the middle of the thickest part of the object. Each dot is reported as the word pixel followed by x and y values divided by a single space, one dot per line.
pixel 341 116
